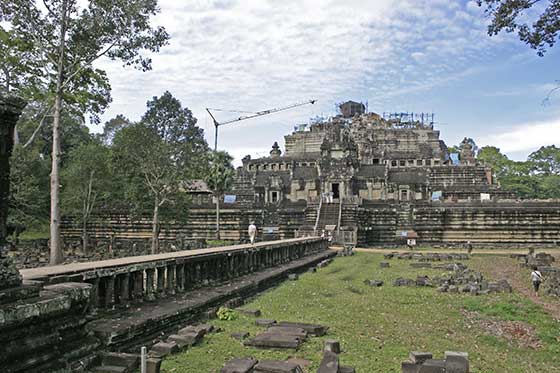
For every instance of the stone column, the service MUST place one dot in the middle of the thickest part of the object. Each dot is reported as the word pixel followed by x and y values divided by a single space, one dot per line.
pixel 124 288
pixel 160 281
pixel 10 110
pixel 138 285
pixel 180 277
pixel 109 291
pixel 150 292
pixel 94 294
pixel 171 283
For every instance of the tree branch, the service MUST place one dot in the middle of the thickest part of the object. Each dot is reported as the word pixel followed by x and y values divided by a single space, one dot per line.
pixel 32 138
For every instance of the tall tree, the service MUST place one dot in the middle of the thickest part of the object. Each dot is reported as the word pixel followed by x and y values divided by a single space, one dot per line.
pixel 515 16
pixel 545 161
pixel 67 39
pixel 85 183
pixel 219 179
pixel 158 155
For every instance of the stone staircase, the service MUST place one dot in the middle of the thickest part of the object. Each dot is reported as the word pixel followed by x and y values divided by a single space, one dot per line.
pixel 328 215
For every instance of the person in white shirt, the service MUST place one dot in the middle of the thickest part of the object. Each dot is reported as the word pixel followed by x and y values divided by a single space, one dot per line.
pixel 536 278
pixel 252 230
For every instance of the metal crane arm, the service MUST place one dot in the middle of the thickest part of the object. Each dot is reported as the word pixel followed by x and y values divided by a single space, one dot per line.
pixel 258 113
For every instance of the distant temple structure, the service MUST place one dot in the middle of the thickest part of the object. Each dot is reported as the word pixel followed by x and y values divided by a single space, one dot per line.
pixel 368 179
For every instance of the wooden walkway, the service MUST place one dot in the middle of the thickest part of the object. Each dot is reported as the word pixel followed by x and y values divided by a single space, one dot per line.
pixel 68 269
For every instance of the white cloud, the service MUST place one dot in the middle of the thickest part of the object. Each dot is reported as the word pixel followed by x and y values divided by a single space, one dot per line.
pixel 524 138
pixel 255 55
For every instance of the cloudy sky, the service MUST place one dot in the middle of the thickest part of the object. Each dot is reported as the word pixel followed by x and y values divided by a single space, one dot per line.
pixel 396 55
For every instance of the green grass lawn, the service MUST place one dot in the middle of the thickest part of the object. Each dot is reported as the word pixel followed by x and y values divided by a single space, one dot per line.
pixel 378 327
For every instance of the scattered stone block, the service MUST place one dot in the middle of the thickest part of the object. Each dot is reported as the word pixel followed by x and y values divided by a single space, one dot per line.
pixel 255 313
pixel 384 265
pixel 182 341
pixel 312 329
pixel 345 369
pixel 275 366
pixel 274 340
pixel 153 365
pixel 293 276
pixel 296 332
pixel 162 349
pixel 332 345
pixel 432 366
pixel 404 282
pixel 265 322
pixel 312 269
pixel 240 335
pixel 375 283
pixel 329 363
pixel 418 357
pixel 408 366
pixel 240 365
pixel 456 362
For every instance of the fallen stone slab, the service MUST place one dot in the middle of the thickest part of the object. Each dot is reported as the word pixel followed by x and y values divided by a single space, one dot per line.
pixel 240 365
pixel 255 313
pixel 418 357
pixel 329 363
pixel 404 282
pixel 265 322
pixel 240 335
pixel 384 265
pixel 312 269
pixel 183 340
pixel 269 340
pixel 375 283
pixel 296 332
pixel 276 366
pixel 293 276
pixel 162 349
pixel 312 329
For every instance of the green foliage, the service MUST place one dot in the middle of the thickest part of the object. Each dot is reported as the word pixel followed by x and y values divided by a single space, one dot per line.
pixel 29 195
pixel 219 175
pixel 515 16
pixel 226 314
pixel 538 177
pixel 86 180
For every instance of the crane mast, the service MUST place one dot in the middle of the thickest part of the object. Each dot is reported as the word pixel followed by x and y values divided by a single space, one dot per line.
pixel 250 116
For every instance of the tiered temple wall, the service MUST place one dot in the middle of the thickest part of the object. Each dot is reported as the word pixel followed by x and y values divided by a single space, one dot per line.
pixel 378 223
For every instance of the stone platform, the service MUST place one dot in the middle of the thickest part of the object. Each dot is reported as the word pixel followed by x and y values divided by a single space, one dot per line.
pixel 146 321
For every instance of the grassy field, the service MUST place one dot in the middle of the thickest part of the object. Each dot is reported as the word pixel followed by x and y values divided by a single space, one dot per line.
pixel 377 327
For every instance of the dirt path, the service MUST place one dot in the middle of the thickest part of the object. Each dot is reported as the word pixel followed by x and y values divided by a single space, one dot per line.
pixel 509 269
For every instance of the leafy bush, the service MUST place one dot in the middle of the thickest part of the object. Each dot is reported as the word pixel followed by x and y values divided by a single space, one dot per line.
pixel 227 314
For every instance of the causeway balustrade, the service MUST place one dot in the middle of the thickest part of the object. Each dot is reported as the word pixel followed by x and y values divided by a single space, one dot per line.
pixel 120 282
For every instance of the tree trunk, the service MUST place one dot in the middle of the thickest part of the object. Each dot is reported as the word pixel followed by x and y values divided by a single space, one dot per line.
pixel 84 237
pixel 55 247
pixel 155 227
pixel 217 217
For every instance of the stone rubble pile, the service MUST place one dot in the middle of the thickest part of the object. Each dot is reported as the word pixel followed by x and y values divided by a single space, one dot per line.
pixel 460 280
pixel 346 251
pixel 539 260
pixel 423 362
pixel 426 257
pixel 329 363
